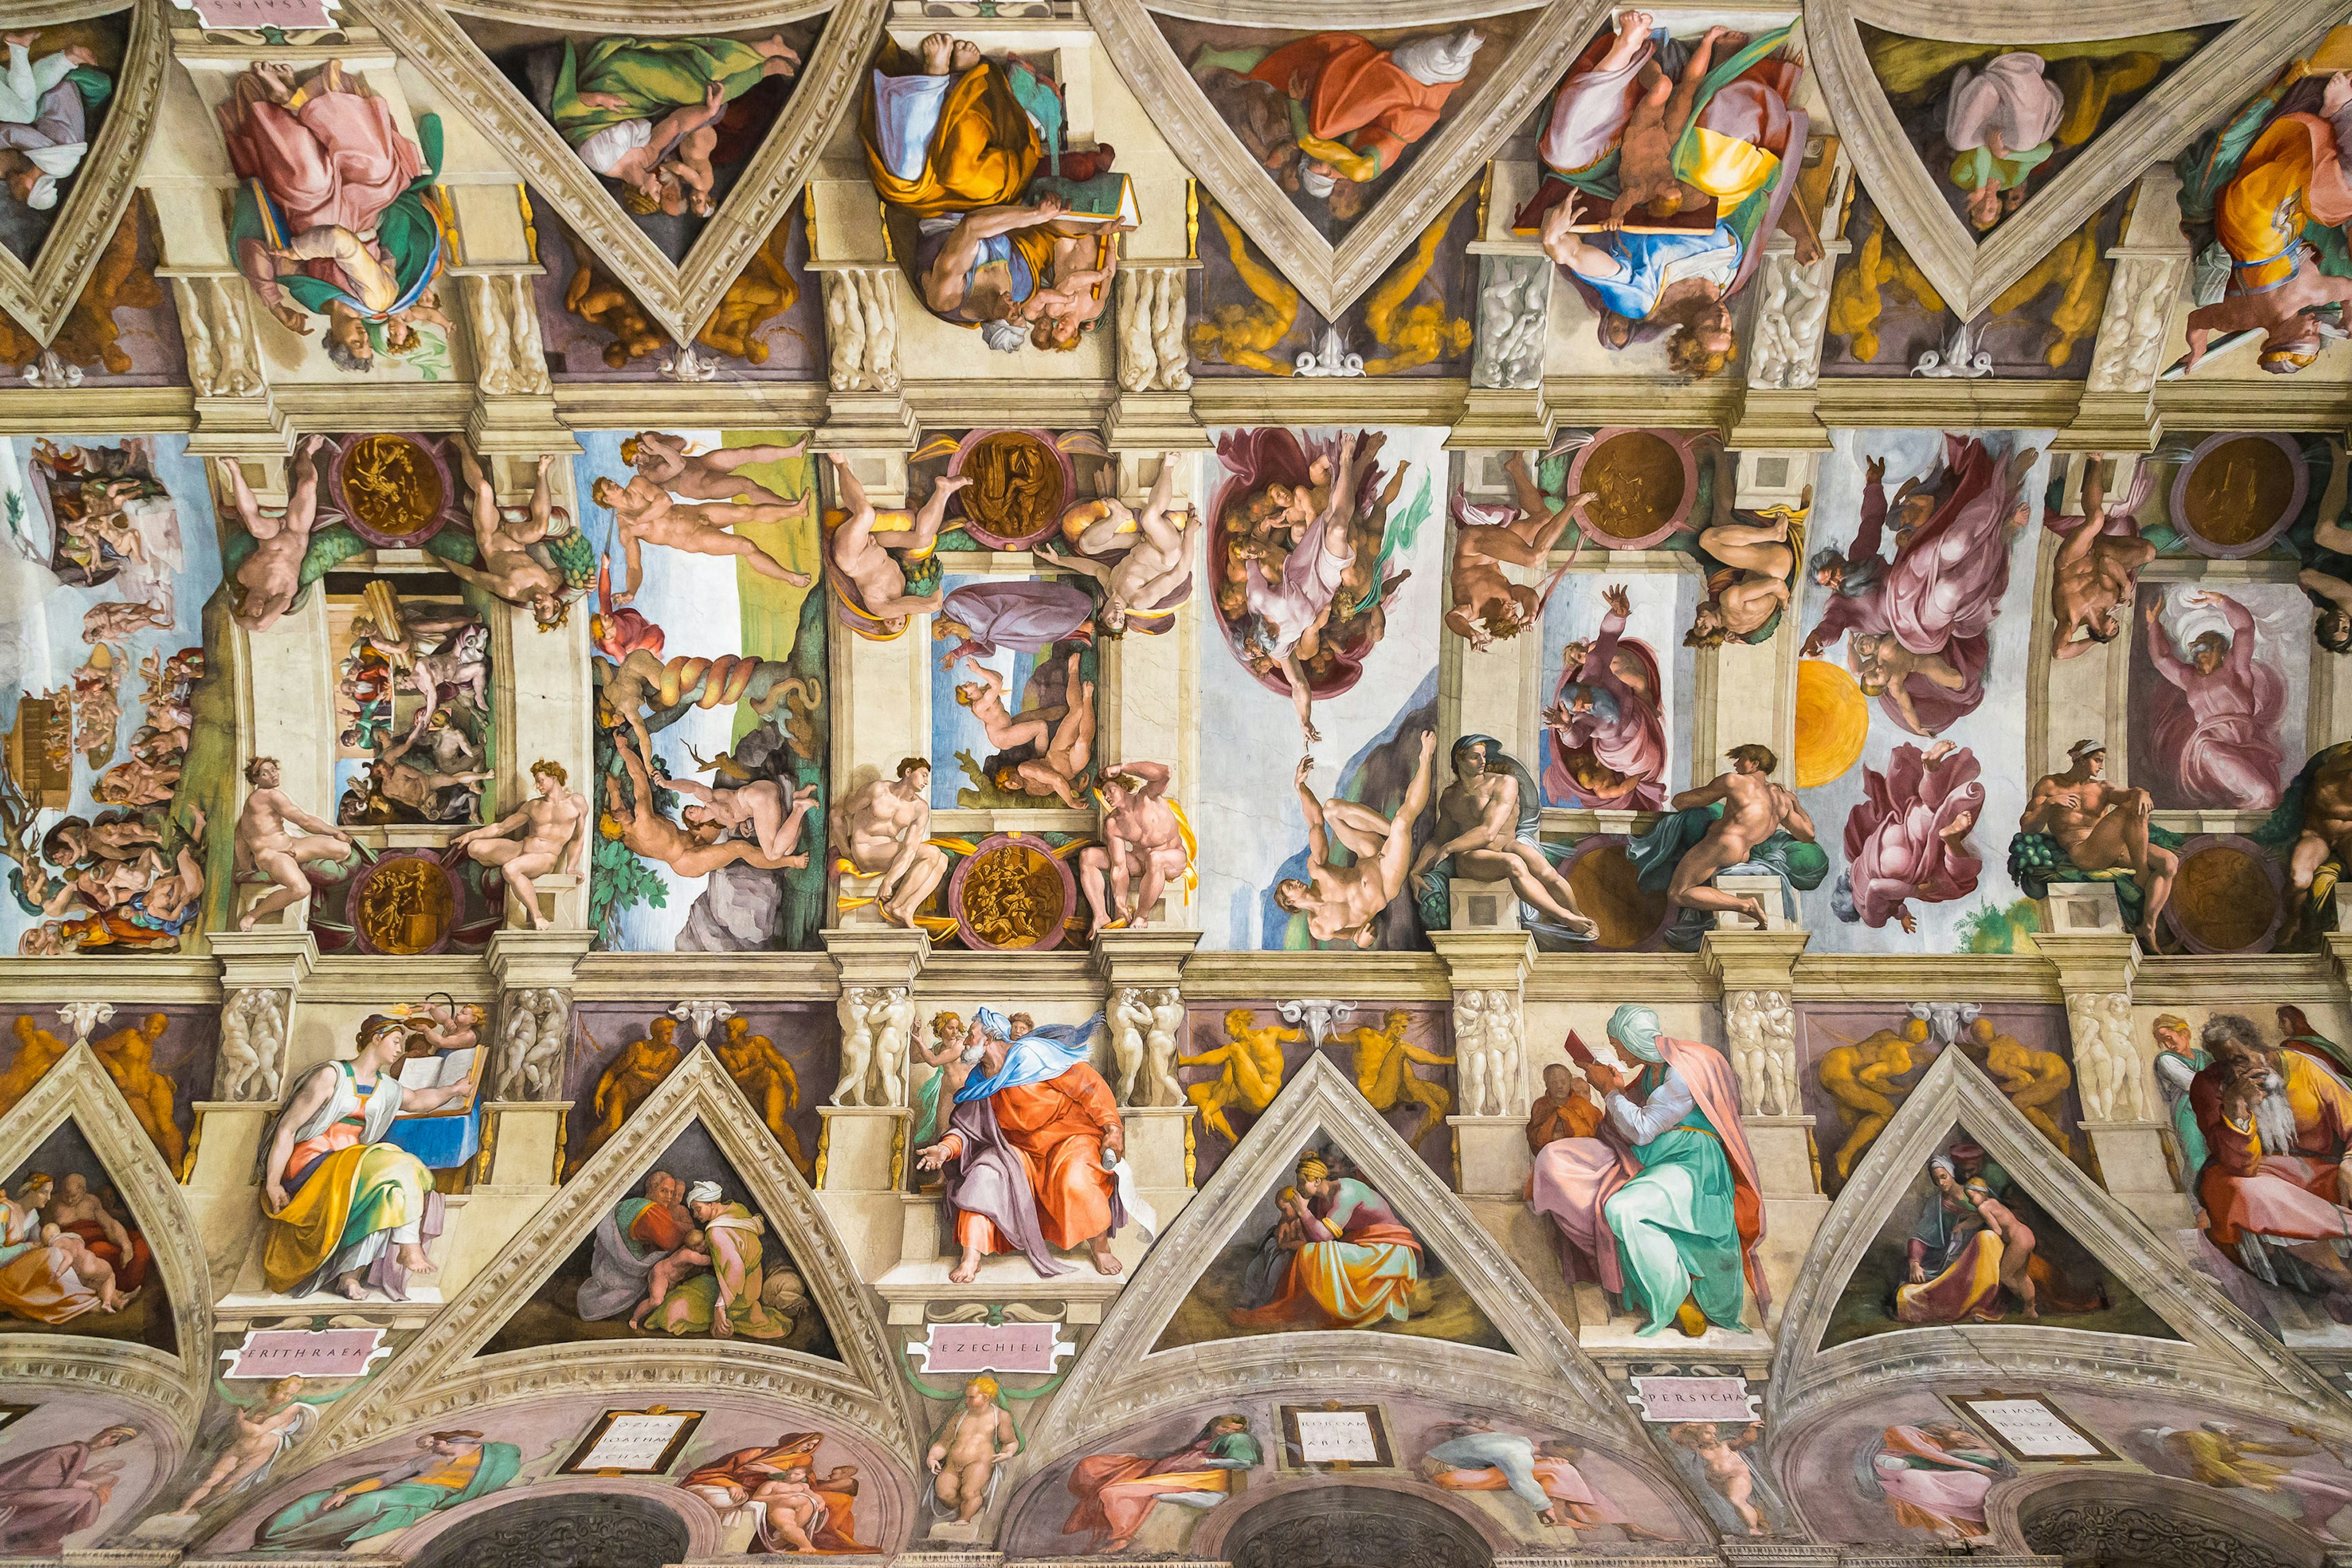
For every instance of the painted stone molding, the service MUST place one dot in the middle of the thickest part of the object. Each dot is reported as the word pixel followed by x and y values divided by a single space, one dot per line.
pixel 40 294
pixel 679 298
pixel 1970 273
pixel 1331 278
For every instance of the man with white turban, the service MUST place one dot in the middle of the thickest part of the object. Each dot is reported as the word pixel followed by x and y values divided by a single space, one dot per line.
pixel 45 119
pixel 1354 106
pixel 1662 1209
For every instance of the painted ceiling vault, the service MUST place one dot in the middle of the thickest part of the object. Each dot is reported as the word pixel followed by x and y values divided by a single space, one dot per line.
pixel 981 783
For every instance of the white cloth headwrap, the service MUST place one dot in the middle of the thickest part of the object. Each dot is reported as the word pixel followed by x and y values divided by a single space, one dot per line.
pixel 704 1192
pixel 1637 1028
pixel 1434 60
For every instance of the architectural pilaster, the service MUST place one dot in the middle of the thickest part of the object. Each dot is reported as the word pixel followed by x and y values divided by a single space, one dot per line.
pixel 2117 1086
pixel 867 405
pixel 2119 408
pixel 1154 407
pixel 1757 972
pixel 1487 972
pixel 1505 405
pixel 1784 349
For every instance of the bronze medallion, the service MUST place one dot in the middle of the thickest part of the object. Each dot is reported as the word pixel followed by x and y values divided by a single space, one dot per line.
pixel 1637 482
pixel 1017 489
pixel 1011 894
pixel 403 905
pixel 1609 889
pixel 2237 493
pixel 2224 898
pixel 393 488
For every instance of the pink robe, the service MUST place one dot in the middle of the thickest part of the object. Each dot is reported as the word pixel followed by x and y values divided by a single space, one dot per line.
pixel 1633 745
pixel 1574 1177
pixel 1943 589
pixel 339 160
pixel 1893 838
pixel 2216 735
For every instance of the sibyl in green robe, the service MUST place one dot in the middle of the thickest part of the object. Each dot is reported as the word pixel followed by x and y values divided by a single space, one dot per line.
pixel 654 75
pixel 397 1499
pixel 1676 1224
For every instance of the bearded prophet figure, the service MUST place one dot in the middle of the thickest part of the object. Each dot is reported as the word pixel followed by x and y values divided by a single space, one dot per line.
pixel 2262 181
pixel 334 220
pixel 1037 1144
pixel 1908 838
pixel 1606 739
pixel 2277 1127
pixel 2216 713
pixel 1729 146
pixel 1927 612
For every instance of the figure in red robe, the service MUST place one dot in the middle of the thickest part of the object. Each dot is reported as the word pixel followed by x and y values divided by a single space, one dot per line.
pixel 1031 1155
pixel 1919 627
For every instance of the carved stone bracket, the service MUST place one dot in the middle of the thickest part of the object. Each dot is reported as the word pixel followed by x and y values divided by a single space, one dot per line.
pixel 234 408
pixel 252 1058
pixel 514 396
pixel 261 975
pixel 1514 316
pixel 1487 971
pixel 1152 355
pixel 534 970
pixel 1504 407
pixel 1153 411
pixel 877 1024
pixel 1144 971
pixel 877 966
pixel 1756 971
pixel 868 405
pixel 2146 273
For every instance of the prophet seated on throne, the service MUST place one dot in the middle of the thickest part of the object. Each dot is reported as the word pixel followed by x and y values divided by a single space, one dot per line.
pixel 954 142
pixel 2277 1182
pixel 1657 191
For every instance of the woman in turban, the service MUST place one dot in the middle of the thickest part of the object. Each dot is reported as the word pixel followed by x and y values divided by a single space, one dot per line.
pixel 345 1206
pixel 1663 1209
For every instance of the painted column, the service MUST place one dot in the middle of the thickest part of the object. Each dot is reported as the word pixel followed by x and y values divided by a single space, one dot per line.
pixel 2122 1114
pixel 1757 970
pixel 1487 971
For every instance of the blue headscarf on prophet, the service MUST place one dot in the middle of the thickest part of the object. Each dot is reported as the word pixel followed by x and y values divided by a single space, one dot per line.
pixel 1045 1052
